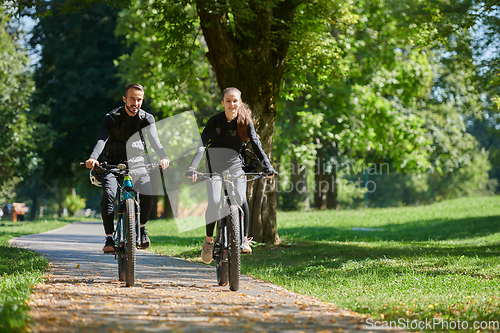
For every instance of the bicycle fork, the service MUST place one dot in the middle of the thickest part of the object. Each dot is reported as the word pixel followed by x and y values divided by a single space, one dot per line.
pixel 221 242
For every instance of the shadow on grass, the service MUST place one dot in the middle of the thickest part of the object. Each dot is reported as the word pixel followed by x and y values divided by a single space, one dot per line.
pixel 438 229
pixel 332 247
pixel 375 256
pixel 188 242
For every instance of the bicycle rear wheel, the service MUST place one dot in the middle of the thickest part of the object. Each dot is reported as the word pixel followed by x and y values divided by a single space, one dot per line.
pixel 220 255
pixel 234 248
pixel 130 238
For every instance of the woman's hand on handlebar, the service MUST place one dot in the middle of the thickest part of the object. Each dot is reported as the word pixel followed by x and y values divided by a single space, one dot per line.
pixel 164 163
pixel 269 173
pixel 90 163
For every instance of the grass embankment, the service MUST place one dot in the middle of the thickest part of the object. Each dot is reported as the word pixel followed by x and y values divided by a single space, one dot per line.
pixel 20 270
pixel 404 266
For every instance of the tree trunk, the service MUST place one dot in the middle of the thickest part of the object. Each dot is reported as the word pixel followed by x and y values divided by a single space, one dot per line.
pixel 332 197
pixel 262 199
pixel 169 208
pixel 34 207
pixel 60 200
pixel 322 185
pixel 34 201
pixel 297 198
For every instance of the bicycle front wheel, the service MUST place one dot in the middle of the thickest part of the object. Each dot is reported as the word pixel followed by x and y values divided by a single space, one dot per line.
pixel 234 248
pixel 130 240
pixel 122 266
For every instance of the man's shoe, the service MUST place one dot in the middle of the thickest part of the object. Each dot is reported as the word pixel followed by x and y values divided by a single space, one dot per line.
pixel 145 242
pixel 207 251
pixel 109 247
pixel 245 247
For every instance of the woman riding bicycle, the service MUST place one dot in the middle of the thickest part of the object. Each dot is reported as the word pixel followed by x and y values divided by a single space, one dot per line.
pixel 224 135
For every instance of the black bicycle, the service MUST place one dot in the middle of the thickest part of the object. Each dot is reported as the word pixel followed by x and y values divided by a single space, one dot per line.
pixel 229 238
pixel 127 235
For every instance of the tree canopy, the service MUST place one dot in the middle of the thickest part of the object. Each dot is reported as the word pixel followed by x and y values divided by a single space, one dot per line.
pixel 21 136
pixel 375 81
pixel 76 80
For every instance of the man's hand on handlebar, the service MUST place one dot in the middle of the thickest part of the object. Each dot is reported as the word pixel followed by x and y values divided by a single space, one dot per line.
pixel 191 173
pixel 91 163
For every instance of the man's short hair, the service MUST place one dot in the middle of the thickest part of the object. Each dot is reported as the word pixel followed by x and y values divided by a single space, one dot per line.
pixel 135 86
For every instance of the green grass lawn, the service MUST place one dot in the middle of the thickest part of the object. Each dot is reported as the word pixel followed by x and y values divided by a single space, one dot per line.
pixel 437 263
pixel 20 270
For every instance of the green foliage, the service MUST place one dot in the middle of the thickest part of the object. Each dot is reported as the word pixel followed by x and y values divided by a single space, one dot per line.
pixel 7 193
pixel 394 189
pixel 76 82
pixel 449 143
pixel 317 45
pixel 21 135
pixel 370 112
pixel 167 56
pixel 74 203
pixel 405 101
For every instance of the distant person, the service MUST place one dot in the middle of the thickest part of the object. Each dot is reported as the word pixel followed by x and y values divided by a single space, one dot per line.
pixel 7 209
pixel 228 130
pixel 117 127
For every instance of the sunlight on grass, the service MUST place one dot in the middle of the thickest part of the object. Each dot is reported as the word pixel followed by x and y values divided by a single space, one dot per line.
pixel 437 261
pixel 166 238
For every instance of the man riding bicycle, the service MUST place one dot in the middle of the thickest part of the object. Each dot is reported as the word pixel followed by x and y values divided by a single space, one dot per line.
pixel 116 128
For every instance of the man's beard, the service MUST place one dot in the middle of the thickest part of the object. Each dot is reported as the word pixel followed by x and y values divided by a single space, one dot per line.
pixel 131 111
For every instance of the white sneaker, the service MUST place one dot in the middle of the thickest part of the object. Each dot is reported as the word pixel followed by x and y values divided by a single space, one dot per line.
pixel 207 252
pixel 245 247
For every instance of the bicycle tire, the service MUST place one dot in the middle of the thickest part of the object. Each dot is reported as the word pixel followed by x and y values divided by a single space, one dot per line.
pixel 221 257
pixel 130 240
pixel 222 271
pixel 234 248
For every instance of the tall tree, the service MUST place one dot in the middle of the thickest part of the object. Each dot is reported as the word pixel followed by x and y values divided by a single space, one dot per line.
pixel 367 116
pixel 250 45
pixel 20 136
pixel 76 81
pixel 255 44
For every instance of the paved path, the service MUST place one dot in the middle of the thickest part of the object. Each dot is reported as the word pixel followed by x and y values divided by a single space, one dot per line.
pixel 82 294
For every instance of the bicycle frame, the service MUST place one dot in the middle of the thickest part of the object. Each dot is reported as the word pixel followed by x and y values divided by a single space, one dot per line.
pixel 126 191
pixel 127 234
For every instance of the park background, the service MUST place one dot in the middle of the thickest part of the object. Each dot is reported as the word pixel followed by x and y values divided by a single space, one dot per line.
pixel 374 104
pixel 364 106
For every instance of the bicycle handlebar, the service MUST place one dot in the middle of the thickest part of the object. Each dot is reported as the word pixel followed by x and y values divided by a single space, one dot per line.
pixel 122 169
pixel 207 176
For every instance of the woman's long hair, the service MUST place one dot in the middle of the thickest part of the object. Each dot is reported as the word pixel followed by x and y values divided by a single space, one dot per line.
pixel 244 115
